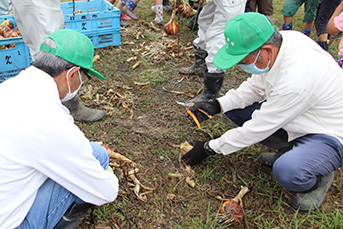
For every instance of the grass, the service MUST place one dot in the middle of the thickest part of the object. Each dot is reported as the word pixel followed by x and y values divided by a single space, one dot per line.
pixel 150 137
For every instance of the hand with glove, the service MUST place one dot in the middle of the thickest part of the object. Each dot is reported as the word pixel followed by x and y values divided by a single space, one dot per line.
pixel 198 153
pixel 204 110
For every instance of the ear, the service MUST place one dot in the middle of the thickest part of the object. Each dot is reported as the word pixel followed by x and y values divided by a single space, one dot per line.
pixel 72 74
pixel 267 50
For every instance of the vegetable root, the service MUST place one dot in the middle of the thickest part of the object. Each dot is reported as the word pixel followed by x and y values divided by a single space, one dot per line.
pixel 232 211
pixel 129 174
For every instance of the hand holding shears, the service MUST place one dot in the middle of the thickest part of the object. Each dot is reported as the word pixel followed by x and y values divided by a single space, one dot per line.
pixel 201 111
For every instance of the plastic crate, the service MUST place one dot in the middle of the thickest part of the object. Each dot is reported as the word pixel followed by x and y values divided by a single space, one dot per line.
pixel 105 38
pixel 13 60
pixel 97 17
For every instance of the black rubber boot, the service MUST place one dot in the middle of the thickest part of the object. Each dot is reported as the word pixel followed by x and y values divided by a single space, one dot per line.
pixel 81 113
pixel 212 84
pixel 313 198
pixel 73 216
pixel 274 142
pixel 199 66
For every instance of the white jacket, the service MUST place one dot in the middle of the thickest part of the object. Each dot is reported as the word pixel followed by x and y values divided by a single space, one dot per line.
pixel 38 139
pixel 303 92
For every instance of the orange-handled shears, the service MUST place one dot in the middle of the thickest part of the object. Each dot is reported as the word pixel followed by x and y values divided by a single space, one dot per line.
pixel 194 117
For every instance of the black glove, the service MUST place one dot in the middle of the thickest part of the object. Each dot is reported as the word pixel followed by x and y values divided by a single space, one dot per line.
pixel 211 107
pixel 197 154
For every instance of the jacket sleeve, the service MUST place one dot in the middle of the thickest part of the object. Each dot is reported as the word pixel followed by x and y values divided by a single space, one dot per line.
pixel 274 114
pixel 66 157
pixel 249 92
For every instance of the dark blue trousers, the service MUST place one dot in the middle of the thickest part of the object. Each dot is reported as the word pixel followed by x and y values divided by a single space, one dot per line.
pixel 312 155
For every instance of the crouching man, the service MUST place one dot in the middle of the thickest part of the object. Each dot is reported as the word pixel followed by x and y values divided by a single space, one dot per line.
pixel 292 102
pixel 49 171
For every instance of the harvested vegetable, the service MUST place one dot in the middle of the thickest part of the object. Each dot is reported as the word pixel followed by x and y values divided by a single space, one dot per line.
pixel 125 163
pixel 185 147
pixel 171 27
pixel 232 211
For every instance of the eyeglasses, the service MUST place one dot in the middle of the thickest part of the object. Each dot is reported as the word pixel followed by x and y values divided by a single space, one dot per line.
pixel 85 71
pixel 82 70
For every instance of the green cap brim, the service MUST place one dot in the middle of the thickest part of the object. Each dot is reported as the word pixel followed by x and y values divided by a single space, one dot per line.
pixel 96 74
pixel 224 61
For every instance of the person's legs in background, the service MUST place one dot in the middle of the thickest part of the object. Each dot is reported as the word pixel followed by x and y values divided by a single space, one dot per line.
pixel 324 12
pixel 311 7
pixel 129 7
pixel 264 7
pixel 158 9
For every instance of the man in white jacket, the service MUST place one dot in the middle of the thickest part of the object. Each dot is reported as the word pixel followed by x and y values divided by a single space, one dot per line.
pixel 48 166
pixel 292 101
pixel 36 19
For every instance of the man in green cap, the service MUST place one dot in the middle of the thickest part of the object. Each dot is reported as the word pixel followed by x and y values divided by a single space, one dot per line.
pixel 36 19
pixel 50 172
pixel 292 102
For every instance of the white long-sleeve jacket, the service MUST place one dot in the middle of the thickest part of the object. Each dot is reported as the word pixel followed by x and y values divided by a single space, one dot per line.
pixel 38 139
pixel 303 92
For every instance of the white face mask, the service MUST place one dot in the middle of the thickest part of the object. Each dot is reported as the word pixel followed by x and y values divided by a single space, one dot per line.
pixel 70 95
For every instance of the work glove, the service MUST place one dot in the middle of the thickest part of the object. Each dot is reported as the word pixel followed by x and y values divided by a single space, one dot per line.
pixel 210 107
pixel 197 154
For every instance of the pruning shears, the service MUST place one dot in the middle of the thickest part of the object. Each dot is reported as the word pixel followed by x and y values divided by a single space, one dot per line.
pixel 194 117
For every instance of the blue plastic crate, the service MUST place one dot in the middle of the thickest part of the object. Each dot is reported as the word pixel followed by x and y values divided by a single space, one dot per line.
pixel 13 60
pixel 96 15
pixel 105 38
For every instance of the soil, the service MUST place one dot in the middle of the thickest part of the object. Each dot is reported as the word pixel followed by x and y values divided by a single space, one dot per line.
pixel 145 124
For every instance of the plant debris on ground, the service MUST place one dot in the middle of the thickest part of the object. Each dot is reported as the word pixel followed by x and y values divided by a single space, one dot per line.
pixel 144 124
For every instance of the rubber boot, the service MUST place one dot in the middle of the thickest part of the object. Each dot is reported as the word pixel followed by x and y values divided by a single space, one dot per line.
pixel 274 142
pixel 313 198
pixel 199 66
pixel 81 113
pixel 212 84
pixel 73 216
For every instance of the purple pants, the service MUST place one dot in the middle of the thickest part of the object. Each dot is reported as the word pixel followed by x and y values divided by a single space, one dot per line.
pixel 312 155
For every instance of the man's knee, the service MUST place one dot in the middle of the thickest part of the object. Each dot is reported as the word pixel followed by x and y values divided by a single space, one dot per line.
pixel 293 177
pixel 100 153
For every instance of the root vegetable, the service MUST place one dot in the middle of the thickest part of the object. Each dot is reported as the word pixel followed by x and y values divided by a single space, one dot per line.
pixel 171 27
pixel 4 29
pixel 130 174
pixel 117 156
pixel 8 23
pixel 187 11
pixel 232 211
pixel 185 147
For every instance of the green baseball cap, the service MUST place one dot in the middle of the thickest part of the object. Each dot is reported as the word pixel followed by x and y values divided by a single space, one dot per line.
pixel 243 34
pixel 75 47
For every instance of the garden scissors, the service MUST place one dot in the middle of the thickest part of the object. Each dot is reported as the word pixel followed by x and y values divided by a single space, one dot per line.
pixel 194 117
